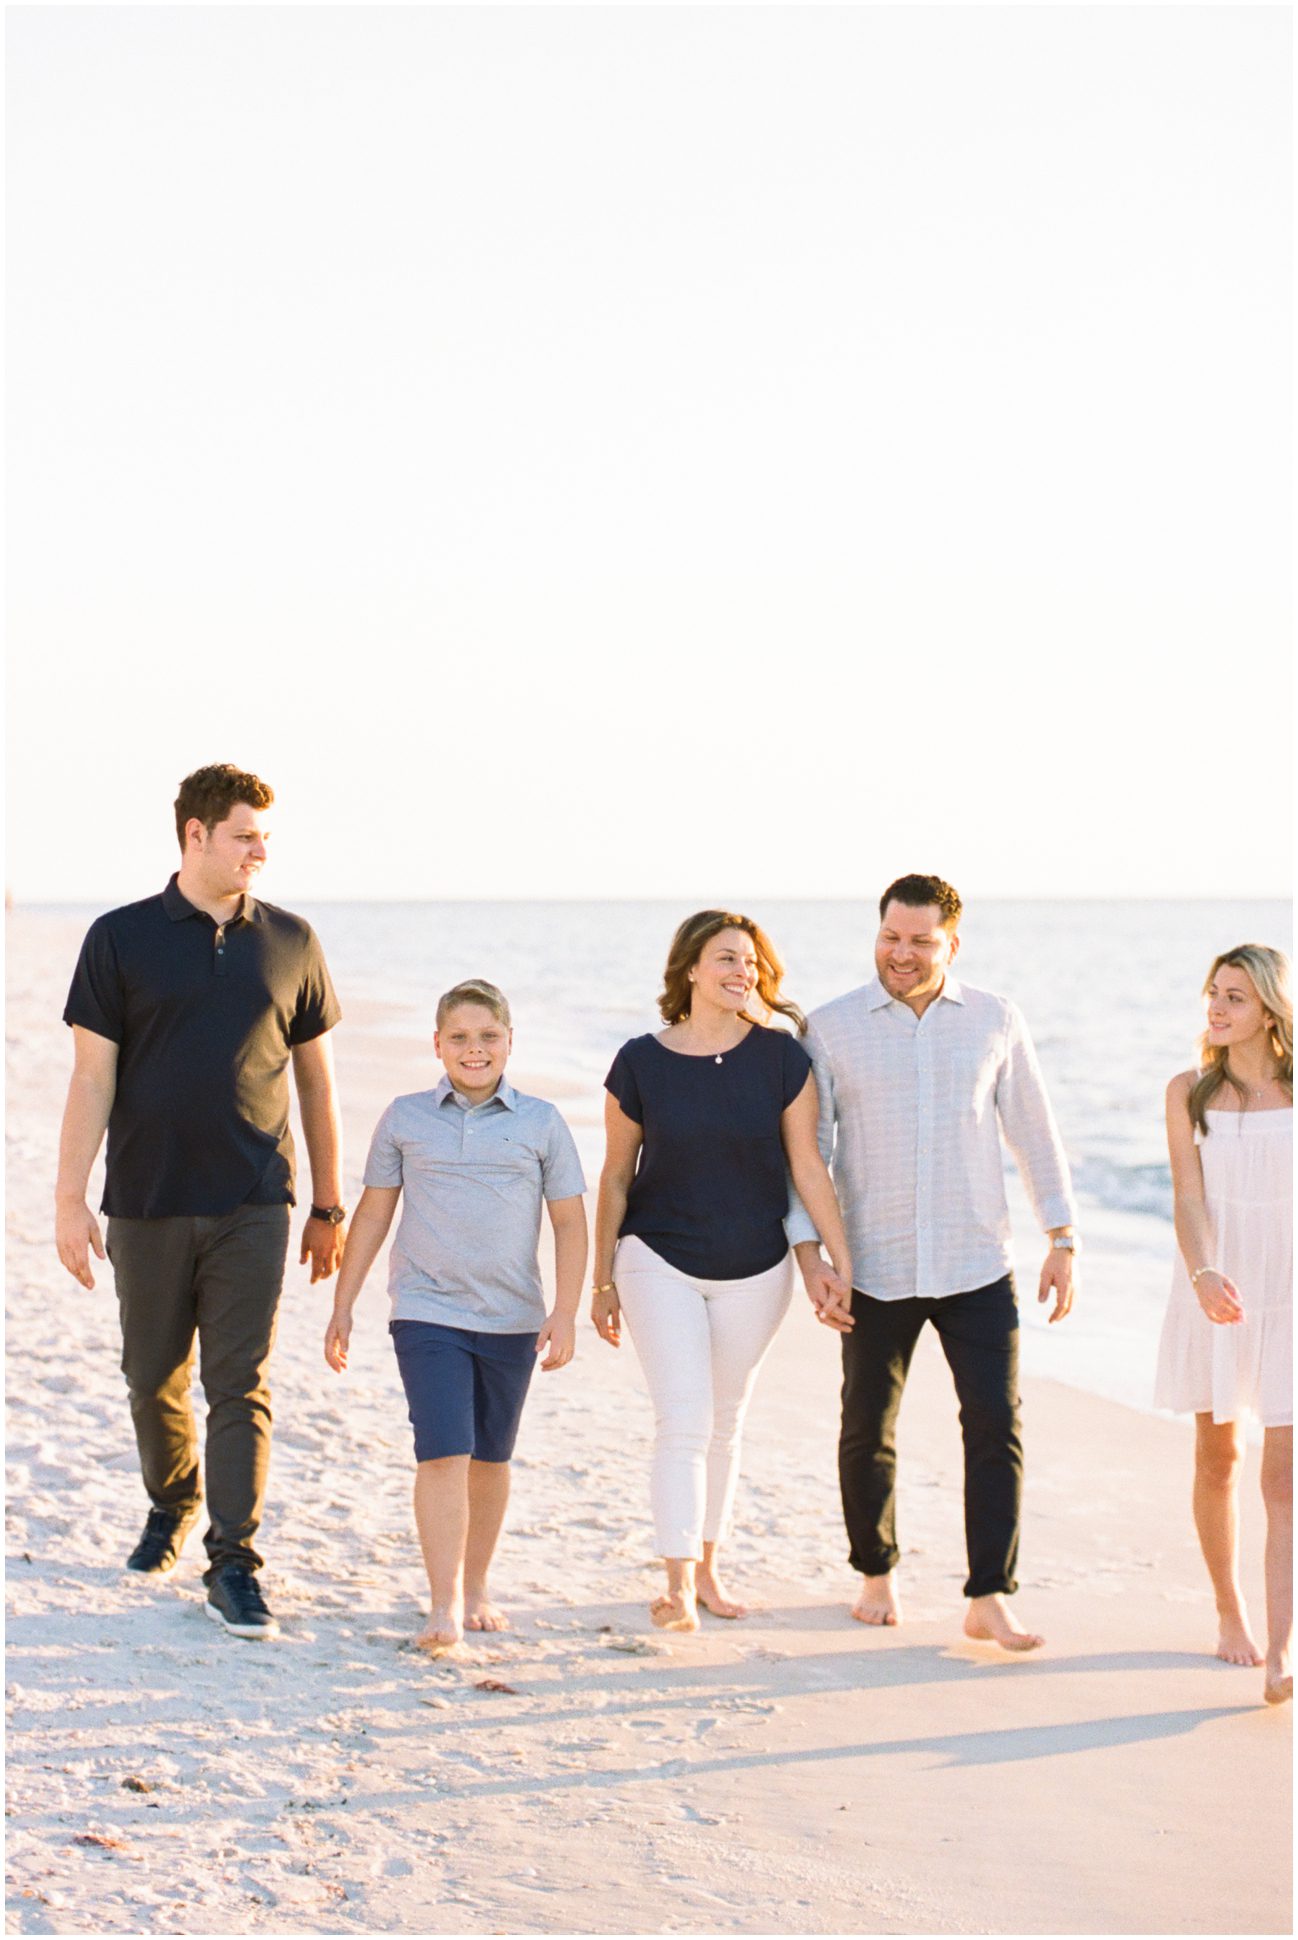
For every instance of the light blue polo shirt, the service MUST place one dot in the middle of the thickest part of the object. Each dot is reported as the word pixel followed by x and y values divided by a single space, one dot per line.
pixel 473 1178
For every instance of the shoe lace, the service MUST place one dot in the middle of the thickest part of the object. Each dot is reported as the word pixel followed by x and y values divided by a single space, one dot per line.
pixel 246 1592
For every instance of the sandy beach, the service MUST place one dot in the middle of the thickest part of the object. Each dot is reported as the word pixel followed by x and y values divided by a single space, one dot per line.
pixel 791 1773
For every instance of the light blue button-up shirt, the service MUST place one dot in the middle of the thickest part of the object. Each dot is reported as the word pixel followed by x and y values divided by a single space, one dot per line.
pixel 912 1110
pixel 473 1179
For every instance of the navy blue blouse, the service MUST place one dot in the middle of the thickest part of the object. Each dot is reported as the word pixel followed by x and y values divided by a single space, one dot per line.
pixel 710 1191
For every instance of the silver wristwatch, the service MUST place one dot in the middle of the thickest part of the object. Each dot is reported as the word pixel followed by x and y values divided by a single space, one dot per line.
pixel 1064 1243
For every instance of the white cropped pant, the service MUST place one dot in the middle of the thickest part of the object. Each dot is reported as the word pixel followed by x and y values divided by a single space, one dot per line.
pixel 700 1344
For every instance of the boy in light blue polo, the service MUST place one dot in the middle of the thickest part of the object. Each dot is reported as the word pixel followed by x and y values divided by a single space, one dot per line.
pixel 476 1160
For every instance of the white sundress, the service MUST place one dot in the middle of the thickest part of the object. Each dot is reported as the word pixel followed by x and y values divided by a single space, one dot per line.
pixel 1247 1365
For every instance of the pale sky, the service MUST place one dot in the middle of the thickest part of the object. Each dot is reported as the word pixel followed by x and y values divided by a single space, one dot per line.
pixel 653 452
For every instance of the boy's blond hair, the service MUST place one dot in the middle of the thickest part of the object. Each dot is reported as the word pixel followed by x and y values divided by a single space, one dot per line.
pixel 475 990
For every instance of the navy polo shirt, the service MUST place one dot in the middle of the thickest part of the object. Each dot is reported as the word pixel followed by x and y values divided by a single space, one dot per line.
pixel 205 1017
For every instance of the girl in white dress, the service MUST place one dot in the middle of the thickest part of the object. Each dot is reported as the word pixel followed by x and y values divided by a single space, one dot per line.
pixel 1227 1344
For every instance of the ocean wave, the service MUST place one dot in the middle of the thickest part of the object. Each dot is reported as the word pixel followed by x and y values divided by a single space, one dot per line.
pixel 1125 1188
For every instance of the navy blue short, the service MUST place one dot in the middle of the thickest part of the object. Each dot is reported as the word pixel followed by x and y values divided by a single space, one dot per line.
pixel 465 1389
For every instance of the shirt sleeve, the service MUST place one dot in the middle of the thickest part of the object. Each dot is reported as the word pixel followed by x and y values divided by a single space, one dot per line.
pixel 561 1173
pixel 317 1009
pixel 1029 1127
pixel 622 1083
pixel 97 999
pixel 383 1166
pixel 799 1225
pixel 796 1065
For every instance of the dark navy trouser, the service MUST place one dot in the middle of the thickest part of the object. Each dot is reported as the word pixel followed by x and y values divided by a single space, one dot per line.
pixel 979 1332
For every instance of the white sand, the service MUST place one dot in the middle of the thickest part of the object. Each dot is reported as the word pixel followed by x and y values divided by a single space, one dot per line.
pixel 793 1773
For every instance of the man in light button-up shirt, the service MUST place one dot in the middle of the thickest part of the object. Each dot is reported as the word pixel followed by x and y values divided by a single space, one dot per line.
pixel 919 1078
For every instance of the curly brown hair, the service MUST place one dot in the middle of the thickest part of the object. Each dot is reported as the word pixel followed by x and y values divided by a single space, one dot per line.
pixel 687 948
pixel 917 892
pixel 209 794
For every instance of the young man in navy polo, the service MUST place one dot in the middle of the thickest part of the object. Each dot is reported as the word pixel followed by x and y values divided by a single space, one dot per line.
pixel 187 1009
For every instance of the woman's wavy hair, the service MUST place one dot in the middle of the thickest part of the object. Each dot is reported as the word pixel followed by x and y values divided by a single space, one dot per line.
pixel 1269 972
pixel 687 948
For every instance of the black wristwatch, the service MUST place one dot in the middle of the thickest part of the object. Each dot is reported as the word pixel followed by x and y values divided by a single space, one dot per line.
pixel 332 1215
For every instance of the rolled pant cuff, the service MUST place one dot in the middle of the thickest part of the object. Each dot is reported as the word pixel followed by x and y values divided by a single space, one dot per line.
pixel 244 1559
pixel 882 1563
pixel 992 1586
pixel 677 1543
pixel 187 1510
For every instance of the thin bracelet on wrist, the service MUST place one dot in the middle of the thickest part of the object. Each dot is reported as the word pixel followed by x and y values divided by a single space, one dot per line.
pixel 1199 1271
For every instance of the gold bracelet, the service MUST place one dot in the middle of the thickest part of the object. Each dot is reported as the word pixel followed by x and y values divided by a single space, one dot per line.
pixel 610 1288
pixel 1194 1277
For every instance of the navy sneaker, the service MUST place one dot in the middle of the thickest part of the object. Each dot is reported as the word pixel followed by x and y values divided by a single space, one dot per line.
pixel 161 1543
pixel 234 1599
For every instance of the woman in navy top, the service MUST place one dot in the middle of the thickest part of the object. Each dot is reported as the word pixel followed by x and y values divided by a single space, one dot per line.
pixel 705 1120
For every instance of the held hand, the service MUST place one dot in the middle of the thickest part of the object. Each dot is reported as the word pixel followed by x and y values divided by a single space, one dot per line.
pixel 77 1235
pixel 830 1294
pixel 1219 1298
pixel 606 1313
pixel 560 1336
pixel 1057 1277
pixel 337 1335
pixel 322 1244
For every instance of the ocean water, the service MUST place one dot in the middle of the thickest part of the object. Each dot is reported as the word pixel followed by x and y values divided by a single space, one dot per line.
pixel 1110 991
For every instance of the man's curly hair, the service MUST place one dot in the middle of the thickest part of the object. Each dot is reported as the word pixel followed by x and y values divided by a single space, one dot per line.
pixel 210 793
pixel 917 892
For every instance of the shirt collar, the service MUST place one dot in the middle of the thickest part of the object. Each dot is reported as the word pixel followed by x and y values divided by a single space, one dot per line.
pixel 504 1094
pixel 178 905
pixel 876 996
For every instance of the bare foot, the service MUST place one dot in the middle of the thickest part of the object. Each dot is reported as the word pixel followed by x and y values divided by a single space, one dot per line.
pixel 707 1585
pixel 1278 1685
pixel 480 1613
pixel 878 1602
pixel 674 1611
pixel 1235 1645
pixel 442 1632
pixel 988 1621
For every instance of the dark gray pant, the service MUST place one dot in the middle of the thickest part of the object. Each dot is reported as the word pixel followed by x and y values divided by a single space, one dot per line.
pixel 218 1279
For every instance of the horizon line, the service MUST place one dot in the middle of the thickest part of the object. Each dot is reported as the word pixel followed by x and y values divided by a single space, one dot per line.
pixel 13 903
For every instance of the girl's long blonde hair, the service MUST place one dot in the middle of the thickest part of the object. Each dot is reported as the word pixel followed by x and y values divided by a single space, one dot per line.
pixel 1269 971
pixel 687 948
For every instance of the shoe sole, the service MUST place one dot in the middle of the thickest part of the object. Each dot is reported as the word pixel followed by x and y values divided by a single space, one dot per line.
pixel 249 1630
